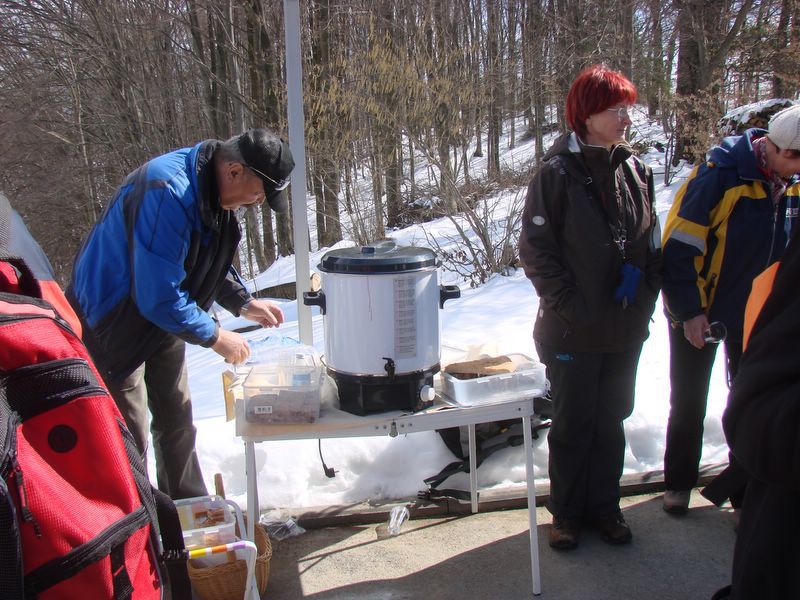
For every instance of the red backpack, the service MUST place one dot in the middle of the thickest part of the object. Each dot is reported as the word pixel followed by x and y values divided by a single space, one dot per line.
pixel 78 515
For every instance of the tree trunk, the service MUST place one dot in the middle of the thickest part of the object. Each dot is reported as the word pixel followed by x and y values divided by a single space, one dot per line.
pixel 785 81
pixel 494 88
pixel 379 229
pixel 657 81
pixel 268 247
pixel 327 120
pixel 699 70
pixel 283 232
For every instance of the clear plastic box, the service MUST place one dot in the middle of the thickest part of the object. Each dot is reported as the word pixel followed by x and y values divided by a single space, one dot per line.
pixel 206 521
pixel 285 390
pixel 526 381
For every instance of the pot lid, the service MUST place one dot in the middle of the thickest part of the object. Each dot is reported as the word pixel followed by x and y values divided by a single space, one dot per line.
pixel 382 257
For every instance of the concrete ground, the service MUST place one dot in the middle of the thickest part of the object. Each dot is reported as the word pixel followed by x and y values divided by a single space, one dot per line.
pixel 486 556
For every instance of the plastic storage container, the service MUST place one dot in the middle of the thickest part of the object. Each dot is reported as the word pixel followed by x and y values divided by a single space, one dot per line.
pixel 206 521
pixel 286 390
pixel 526 381
pixel 264 348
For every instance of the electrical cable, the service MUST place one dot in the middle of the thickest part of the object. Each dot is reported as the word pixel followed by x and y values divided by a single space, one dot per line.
pixel 329 472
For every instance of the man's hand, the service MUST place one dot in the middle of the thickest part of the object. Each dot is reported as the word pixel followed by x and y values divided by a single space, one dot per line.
pixel 264 312
pixel 232 347
pixel 694 330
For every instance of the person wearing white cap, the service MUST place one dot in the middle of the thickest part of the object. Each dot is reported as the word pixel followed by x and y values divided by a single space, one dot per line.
pixel 154 263
pixel 731 219
pixel 784 133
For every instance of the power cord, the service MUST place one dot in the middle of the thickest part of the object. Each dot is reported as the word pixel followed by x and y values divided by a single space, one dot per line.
pixel 329 472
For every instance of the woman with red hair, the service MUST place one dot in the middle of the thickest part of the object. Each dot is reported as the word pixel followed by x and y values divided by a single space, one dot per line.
pixel 590 244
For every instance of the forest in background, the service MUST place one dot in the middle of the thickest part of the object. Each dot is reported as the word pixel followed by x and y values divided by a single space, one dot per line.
pixel 91 89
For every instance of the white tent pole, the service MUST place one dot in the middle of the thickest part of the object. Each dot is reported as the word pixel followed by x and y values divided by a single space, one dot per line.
pixel 294 86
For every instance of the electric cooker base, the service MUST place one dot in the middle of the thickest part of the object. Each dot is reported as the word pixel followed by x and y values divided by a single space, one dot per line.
pixel 366 394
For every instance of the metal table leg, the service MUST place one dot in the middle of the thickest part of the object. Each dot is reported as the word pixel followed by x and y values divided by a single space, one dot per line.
pixel 530 484
pixel 473 471
pixel 252 489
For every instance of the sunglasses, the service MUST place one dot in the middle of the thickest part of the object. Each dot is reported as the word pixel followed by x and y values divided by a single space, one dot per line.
pixel 623 112
pixel 277 185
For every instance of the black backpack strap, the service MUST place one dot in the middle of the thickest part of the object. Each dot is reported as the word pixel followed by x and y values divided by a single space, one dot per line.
pixel 175 554
pixel 11 579
pixel 483 451
pixel 435 495
pixel 10 548
pixel 459 466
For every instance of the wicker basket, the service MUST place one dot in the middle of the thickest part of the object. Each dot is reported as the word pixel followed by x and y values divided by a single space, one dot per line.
pixel 227 581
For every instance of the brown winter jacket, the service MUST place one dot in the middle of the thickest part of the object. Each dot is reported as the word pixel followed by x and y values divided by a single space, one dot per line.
pixel 567 248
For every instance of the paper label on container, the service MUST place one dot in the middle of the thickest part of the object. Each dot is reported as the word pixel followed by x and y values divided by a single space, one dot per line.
pixel 229 378
pixel 405 311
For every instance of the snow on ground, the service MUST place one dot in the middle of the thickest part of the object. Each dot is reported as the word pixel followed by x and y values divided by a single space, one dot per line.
pixel 496 317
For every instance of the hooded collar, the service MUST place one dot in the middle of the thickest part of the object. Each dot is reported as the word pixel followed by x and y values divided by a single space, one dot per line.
pixel 737 152
pixel 207 189
pixel 613 157
pixel 568 144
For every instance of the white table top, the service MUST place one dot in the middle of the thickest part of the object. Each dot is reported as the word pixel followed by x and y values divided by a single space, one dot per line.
pixel 334 423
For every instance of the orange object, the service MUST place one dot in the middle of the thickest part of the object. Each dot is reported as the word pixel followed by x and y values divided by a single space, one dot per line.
pixel 762 287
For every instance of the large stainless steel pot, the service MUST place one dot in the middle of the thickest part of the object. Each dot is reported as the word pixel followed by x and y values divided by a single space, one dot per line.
pixel 381 305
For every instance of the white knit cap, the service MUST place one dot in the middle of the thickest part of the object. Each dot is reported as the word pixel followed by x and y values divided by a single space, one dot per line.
pixel 784 128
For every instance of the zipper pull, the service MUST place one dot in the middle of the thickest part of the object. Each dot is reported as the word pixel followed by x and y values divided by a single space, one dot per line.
pixel 27 515
pixel 620 240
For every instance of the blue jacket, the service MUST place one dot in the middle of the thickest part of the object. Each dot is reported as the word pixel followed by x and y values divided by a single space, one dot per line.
pixel 155 262
pixel 722 230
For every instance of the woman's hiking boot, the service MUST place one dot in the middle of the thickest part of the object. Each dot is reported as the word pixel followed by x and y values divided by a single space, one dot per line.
pixel 564 533
pixel 613 528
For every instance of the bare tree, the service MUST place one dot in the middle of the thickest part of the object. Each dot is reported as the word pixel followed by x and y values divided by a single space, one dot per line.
pixel 706 31
pixel 402 97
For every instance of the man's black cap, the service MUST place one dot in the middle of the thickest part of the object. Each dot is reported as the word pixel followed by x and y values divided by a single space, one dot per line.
pixel 271 159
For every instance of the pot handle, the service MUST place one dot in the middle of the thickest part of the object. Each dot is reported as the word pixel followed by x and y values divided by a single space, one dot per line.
pixel 315 299
pixel 448 292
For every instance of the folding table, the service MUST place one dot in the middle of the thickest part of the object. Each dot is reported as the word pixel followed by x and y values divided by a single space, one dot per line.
pixel 338 424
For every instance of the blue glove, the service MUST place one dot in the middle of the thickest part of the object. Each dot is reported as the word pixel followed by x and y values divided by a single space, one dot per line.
pixel 625 292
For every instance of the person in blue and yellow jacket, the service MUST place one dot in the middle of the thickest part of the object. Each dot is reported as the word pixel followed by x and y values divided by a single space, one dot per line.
pixel 730 220
pixel 154 263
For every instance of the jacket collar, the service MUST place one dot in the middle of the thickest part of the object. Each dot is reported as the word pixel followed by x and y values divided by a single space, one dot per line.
pixel 737 152
pixel 207 190
pixel 570 146
pixel 600 155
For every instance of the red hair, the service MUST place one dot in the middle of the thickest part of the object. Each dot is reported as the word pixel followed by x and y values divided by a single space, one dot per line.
pixel 595 89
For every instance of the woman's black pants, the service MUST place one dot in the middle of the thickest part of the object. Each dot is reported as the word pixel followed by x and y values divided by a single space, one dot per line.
pixel 592 395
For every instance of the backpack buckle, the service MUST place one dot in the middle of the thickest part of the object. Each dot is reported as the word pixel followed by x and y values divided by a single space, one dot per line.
pixel 175 556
